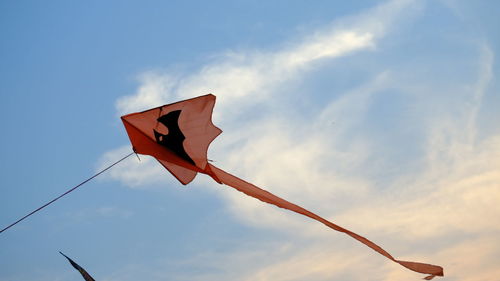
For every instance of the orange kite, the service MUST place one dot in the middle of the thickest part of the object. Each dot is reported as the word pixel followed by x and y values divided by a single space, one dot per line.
pixel 178 136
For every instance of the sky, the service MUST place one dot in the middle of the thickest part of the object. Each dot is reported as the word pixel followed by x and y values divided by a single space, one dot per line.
pixel 381 116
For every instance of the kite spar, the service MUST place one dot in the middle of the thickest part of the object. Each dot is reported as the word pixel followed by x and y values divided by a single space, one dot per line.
pixel 178 136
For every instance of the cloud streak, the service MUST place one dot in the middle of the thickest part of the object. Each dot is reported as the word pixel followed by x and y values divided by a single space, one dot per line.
pixel 325 157
pixel 250 75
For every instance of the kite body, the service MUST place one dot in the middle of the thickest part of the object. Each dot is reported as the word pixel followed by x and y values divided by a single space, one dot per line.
pixel 178 136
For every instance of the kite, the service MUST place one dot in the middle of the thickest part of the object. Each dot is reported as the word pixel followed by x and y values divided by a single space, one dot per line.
pixel 80 269
pixel 178 136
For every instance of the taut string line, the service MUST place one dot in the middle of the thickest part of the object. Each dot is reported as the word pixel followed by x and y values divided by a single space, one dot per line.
pixel 65 193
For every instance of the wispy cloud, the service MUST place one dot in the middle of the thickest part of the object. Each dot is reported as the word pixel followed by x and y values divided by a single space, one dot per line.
pixel 254 75
pixel 243 80
pixel 325 157
pixel 134 172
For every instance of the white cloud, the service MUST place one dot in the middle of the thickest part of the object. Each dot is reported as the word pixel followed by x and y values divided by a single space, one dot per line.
pixel 431 214
pixel 242 80
pixel 135 173
pixel 150 93
pixel 246 77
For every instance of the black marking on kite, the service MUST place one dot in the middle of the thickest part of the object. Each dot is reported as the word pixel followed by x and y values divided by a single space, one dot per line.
pixel 175 138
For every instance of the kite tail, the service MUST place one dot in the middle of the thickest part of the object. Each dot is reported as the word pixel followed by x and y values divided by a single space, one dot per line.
pixel 265 196
pixel 80 269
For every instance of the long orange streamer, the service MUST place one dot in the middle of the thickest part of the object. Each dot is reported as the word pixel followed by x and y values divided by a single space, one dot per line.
pixel 265 196
pixel 178 136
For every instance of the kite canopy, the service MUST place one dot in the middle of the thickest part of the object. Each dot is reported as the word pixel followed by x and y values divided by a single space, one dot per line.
pixel 178 136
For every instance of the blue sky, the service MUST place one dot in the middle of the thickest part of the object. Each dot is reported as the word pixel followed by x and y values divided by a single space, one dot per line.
pixel 381 116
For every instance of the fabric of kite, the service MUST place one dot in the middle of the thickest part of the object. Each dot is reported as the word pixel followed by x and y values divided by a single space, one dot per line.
pixel 80 269
pixel 178 136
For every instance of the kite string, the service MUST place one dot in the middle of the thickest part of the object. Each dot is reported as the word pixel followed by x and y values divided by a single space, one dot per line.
pixel 65 193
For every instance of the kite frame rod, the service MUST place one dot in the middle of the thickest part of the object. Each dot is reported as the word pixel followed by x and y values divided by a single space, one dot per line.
pixel 65 193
